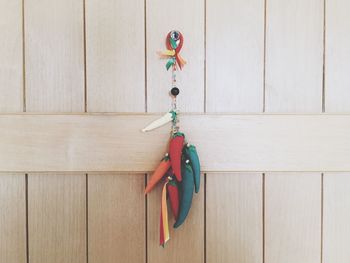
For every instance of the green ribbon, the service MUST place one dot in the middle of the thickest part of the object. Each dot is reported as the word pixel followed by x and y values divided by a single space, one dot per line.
pixel 170 63
pixel 172 60
pixel 173 43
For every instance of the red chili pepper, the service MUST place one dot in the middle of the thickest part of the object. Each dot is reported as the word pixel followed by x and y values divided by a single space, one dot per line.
pixel 175 152
pixel 173 194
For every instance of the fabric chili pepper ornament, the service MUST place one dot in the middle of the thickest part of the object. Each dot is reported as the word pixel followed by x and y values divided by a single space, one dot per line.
pixel 158 174
pixel 192 155
pixel 175 151
pixel 180 168
pixel 187 187
pixel 173 193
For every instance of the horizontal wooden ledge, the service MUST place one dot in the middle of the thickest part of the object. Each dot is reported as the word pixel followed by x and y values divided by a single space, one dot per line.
pixel 114 142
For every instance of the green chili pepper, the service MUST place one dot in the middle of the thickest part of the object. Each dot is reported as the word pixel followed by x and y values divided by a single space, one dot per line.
pixel 191 153
pixel 187 187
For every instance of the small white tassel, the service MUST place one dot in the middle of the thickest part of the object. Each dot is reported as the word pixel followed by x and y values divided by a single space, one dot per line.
pixel 168 117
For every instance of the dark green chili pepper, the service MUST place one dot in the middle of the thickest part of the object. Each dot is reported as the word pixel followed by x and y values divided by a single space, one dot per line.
pixel 187 187
pixel 191 153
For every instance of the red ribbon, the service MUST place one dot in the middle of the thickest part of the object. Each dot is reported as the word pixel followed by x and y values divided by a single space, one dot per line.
pixel 173 54
pixel 178 58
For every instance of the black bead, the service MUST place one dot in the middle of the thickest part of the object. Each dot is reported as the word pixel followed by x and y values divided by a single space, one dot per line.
pixel 175 91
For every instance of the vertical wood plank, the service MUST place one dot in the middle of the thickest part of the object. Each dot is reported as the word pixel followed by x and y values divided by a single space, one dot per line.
pixel 294 55
pixel 336 185
pixel 12 186
pixel 186 243
pixel 11 69
pixel 234 83
pixel 12 218
pixel 187 17
pixel 55 83
pixel 115 42
pixel 116 218
pixel 292 217
pixel 235 55
pixel 54 50
pixel 115 55
pixel 337 56
pixel 336 195
pixel 336 207
pixel 294 69
pixel 234 218
pixel 116 83
pixel 56 218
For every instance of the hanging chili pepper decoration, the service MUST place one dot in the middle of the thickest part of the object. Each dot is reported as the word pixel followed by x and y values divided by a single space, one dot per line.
pixel 174 42
pixel 180 168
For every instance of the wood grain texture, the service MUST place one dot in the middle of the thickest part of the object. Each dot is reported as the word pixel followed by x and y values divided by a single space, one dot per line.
pixel 12 218
pixel 336 207
pixel 11 69
pixel 234 222
pixel 186 243
pixel 234 83
pixel 54 50
pixel 260 142
pixel 292 217
pixel 337 56
pixel 235 55
pixel 294 68
pixel 56 218
pixel 294 56
pixel 116 215
pixel 115 41
pixel 12 186
pixel 187 17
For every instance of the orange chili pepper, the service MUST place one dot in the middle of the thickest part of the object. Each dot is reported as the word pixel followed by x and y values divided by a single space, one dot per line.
pixel 161 170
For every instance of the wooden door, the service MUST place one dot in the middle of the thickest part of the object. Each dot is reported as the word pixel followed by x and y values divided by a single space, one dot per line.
pixel 264 96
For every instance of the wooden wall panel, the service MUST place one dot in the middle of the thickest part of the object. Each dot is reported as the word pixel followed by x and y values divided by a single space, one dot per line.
pixel 337 56
pixel 115 44
pixel 56 218
pixel 116 218
pixel 294 55
pixel 11 68
pixel 225 73
pixel 294 68
pixel 115 41
pixel 54 55
pixel 12 218
pixel 234 218
pixel 12 186
pixel 54 38
pixel 187 17
pixel 235 55
pixel 238 142
pixel 292 217
pixel 186 243
pixel 336 207
pixel 336 185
